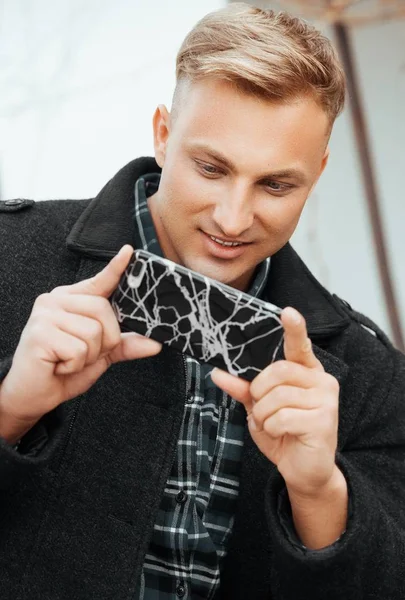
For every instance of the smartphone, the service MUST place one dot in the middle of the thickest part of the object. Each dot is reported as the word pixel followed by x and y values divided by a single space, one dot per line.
pixel 198 316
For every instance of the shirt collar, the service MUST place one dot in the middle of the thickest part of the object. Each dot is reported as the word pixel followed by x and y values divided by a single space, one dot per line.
pixel 146 238
pixel 145 232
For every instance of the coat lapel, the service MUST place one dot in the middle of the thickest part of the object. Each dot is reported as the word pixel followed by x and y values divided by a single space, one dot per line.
pixel 292 284
pixel 107 223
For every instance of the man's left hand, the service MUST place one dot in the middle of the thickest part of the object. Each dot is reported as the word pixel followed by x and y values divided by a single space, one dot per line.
pixel 292 408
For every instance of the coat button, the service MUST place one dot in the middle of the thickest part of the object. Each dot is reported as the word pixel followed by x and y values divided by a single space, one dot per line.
pixel 15 205
pixel 180 590
pixel 15 202
pixel 181 497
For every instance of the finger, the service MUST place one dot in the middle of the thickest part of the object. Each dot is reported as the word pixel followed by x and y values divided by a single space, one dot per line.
pixel 69 353
pixel 297 345
pixel 90 331
pixel 98 309
pixel 284 372
pixel 76 382
pixel 127 350
pixel 104 283
pixel 133 346
pixel 281 397
pixel 291 421
pixel 237 388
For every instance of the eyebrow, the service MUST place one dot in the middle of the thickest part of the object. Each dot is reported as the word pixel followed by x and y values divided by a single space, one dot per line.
pixel 289 173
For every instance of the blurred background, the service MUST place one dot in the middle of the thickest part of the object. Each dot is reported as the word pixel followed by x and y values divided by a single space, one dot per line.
pixel 80 80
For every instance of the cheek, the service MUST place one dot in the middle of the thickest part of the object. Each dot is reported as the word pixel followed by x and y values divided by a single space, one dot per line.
pixel 282 215
pixel 186 193
pixel 170 191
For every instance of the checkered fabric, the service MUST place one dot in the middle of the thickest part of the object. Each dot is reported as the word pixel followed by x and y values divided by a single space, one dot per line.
pixel 197 509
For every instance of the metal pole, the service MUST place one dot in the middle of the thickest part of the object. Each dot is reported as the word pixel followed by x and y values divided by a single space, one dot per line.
pixel 369 180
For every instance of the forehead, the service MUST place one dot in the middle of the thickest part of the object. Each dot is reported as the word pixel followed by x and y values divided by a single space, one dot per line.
pixel 249 128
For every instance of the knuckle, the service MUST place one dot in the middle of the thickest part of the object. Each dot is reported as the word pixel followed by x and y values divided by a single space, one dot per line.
pixel 115 339
pixel 80 350
pixel 257 414
pixel 283 419
pixel 268 427
pixel 59 290
pixel 307 346
pixel 256 387
pixel 278 394
pixel 38 326
pixel 254 392
pixel 112 337
pixel 42 301
pixel 94 329
pixel 332 383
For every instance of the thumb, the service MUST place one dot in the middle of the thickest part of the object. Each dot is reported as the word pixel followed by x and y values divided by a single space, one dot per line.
pixel 133 345
pixel 104 283
pixel 237 388
pixel 297 345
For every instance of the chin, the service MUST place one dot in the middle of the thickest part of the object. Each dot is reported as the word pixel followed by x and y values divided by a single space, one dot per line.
pixel 209 269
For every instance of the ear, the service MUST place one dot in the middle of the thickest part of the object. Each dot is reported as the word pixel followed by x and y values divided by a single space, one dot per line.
pixel 321 170
pixel 324 160
pixel 161 131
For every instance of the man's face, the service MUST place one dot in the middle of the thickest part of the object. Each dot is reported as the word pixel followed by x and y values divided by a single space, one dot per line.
pixel 237 169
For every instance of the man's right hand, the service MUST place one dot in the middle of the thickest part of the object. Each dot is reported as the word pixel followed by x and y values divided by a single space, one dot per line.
pixel 71 338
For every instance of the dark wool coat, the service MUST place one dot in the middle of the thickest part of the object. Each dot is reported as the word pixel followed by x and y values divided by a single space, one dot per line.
pixel 79 499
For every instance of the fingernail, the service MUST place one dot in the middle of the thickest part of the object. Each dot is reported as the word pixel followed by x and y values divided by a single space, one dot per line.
pixel 218 370
pixel 154 343
pixel 294 315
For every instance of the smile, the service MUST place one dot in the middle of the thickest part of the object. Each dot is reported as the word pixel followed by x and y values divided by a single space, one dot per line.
pixel 225 243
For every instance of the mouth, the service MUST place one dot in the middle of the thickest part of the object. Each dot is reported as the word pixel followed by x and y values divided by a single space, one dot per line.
pixel 224 248
pixel 226 243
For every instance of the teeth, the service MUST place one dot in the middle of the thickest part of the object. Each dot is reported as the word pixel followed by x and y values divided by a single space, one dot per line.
pixel 225 243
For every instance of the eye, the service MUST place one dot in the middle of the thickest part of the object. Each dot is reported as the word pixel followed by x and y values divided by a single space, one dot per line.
pixel 208 169
pixel 277 187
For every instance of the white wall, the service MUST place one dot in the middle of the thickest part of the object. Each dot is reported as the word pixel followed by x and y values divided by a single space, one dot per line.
pixel 79 81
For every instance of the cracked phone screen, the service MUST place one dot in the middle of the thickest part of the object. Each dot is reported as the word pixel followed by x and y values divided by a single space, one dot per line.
pixel 198 316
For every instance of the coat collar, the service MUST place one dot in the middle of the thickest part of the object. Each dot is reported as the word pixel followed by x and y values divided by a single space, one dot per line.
pixel 107 224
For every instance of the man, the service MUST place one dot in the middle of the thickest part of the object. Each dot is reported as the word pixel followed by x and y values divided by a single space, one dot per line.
pixel 128 471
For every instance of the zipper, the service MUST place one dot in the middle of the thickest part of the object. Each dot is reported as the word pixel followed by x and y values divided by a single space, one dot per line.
pixel 185 379
pixel 76 410
pixel 69 432
pixel 185 369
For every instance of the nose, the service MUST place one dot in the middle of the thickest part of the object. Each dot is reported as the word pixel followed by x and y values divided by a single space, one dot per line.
pixel 233 213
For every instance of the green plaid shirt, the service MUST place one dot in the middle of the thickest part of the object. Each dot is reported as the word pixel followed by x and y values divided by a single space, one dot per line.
pixel 196 513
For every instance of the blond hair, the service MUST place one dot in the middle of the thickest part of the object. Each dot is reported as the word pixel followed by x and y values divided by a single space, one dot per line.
pixel 271 55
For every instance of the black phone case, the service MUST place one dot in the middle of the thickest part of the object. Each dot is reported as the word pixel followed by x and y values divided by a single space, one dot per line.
pixel 196 315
